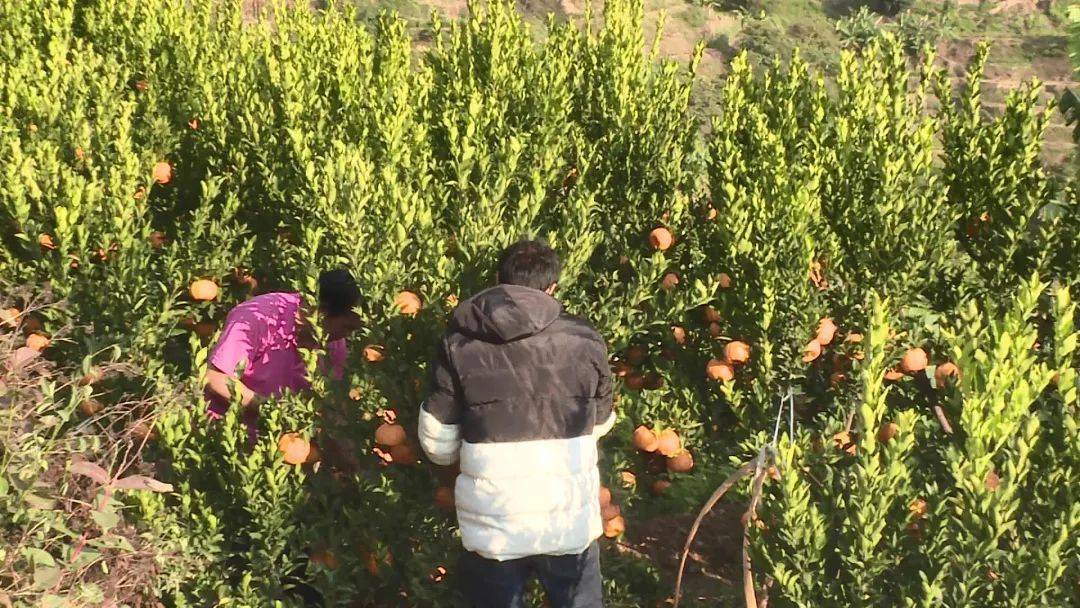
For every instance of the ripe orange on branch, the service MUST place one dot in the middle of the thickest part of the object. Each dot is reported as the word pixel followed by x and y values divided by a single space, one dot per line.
pixel 682 462
pixel 737 352
pixel 724 279
pixel 610 511
pixel 162 172
pixel 373 353
pixel 914 360
pixel 826 331
pixel 888 431
pixel 204 290
pixel 605 496
pixel 719 370
pixel 946 373
pixel 811 351
pixel 407 303
pixel 710 315
pixel 645 439
pixel 670 281
pixel 679 334
pixel 661 239
pixel 390 435
pixel 403 454
pixel 295 448
pixel 668 443
pixel 614 527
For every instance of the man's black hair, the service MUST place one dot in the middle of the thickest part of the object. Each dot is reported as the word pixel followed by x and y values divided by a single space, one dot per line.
pixel 338 292
pixel 530 264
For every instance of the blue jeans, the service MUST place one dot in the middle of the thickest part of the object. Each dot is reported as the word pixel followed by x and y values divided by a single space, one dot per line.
pixel 570 581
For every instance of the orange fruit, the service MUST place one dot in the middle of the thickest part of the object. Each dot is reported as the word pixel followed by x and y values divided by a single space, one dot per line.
pixel 390 435
pixel 679 334
pixel 46 241
pixel 887 432
pixel 326 559
pixel 629 480
pixel 854 338
pixel 811 351
pixel 668 443
pixel 682 462
pixel 724 280
pixel 610 511
pixel 737 352
pixel 843 441
pixel 645 439
pixel 614 527
pixel 10 317
pixel 295 448
pixel 403 454
pixel 635 355
pixel 826 331
pixel 204 290
pixel 992 481
pixel 444 497
pixel 661 239
pixel 660 486
pixel 669 281
pixel 715 330
pixel 162 172
pixel 914 361
pixel 407 303
pixel 719 370
pixel 634 382
pixel 371 563
pixel 605 496
pixel 373 353
pixel 917 508
pixel 945 373
pixel 37 342
pixel 710 315
pixel 711 213
pixel 451 301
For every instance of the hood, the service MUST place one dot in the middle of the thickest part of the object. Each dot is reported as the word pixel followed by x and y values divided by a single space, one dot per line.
pixel 505 313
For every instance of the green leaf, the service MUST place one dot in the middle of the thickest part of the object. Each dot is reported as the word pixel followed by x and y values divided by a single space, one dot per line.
pixel 106 520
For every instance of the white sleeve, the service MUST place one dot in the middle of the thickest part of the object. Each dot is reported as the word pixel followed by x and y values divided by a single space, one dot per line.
pixel 441 442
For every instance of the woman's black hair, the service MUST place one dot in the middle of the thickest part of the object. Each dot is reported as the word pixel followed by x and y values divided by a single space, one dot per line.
pixel 338 292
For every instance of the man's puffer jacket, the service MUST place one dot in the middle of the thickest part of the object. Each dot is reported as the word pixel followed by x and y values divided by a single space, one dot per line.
pixel 521 391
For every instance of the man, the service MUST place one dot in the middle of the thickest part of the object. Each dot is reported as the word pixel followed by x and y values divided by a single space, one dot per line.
pixel 264 336
pixel 521 391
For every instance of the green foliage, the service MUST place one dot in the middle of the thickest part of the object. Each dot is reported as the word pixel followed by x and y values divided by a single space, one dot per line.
pixel 303 139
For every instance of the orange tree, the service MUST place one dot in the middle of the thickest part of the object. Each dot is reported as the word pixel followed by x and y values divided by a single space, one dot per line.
pixel 146 144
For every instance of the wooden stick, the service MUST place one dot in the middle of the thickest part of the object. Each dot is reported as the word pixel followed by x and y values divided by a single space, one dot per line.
pixel 749 592
pixel 746 469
